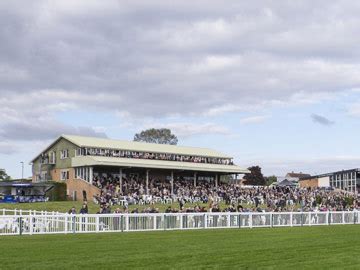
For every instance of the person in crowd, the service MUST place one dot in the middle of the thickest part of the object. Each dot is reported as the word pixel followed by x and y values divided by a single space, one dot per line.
pixel 72 210
pixel 84 209
pixel 205 192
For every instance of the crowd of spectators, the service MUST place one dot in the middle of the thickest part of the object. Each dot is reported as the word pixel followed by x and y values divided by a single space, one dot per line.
pixel 235 198
pixel 155 156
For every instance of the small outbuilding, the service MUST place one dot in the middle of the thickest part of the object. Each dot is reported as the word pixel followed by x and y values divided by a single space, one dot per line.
pixel 13 192
pixel 287 183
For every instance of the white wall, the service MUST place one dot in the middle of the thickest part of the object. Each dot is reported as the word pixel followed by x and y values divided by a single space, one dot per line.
pixel 324 181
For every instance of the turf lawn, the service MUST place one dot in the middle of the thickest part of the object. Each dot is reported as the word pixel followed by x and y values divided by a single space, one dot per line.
pixel 330 247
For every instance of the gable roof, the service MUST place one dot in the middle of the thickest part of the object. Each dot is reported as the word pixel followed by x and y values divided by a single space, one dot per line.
pixel 297 175
pixel 286 183
pixel 94 142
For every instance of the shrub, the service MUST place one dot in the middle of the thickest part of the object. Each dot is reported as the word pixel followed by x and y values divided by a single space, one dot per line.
pixel 58 192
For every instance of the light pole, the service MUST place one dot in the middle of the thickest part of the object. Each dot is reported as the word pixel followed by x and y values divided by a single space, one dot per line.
pixel 22 170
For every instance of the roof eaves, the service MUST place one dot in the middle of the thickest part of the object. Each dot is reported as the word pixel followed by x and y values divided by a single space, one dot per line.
pixel 80 144
pixel 50 145
pixel 89 161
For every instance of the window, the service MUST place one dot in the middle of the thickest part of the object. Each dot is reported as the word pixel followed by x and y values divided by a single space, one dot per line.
pixel 64 175
pixel 78 172
pixel 52 157
pixel 78 152
pixel 64 154
pixel 43 175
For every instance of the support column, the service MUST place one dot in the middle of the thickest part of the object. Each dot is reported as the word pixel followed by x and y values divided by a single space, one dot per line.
pixel 147 182
pixel 195 176
pixel 172 183
pixel 216 180
pixel 86 174
pixel 91 176
pixel 121 183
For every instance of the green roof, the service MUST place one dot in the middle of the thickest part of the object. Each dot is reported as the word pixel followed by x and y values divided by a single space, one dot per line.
pixel 155 164
pixel 94 142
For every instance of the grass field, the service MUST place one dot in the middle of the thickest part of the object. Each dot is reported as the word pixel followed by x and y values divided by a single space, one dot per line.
pixel 331 247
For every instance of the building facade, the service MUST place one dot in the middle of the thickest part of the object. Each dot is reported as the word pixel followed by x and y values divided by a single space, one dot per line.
pixel 78 160
pixel 348 180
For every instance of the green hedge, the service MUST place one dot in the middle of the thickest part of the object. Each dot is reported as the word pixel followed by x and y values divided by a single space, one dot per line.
pixel 58 192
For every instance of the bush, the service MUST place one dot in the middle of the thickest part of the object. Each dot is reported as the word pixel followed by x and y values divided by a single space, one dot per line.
pixel 318 200
pixel 58 192
pixel 349 201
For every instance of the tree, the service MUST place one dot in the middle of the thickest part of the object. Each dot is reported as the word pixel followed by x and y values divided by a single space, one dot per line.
pixel 270 179
pixel 153 135
pixel 255 177
pixel 4 176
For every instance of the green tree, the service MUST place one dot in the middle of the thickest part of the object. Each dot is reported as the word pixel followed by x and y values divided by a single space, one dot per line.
pixel 255 177
pixel 270 179
pixel 153 135
pixel 4 176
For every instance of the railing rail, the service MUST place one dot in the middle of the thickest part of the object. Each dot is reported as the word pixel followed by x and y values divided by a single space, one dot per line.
pixel 5 212
pixel 97 223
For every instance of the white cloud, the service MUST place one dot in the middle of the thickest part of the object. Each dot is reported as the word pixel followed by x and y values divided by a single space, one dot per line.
pixel 182 58
pixel 222 109
pixel 254 119
pixel 213 63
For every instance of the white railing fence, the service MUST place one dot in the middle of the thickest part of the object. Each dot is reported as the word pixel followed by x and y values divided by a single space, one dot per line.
pixel 20 212
pixel 95 223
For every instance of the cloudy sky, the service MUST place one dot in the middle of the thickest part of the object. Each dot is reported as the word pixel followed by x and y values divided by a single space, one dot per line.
pixel 272 83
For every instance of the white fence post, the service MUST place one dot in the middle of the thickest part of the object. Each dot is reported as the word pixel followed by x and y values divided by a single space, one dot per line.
pixel 354 217
pixel 327 218
pixel 80 224
pixel 31 226
pixel 291 219
pixel 343 217
pixel 97 224
pixel 127 222
pixel 250 221
pixel 66 224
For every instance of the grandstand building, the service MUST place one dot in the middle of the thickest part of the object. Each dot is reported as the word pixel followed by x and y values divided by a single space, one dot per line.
pixel 76 160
